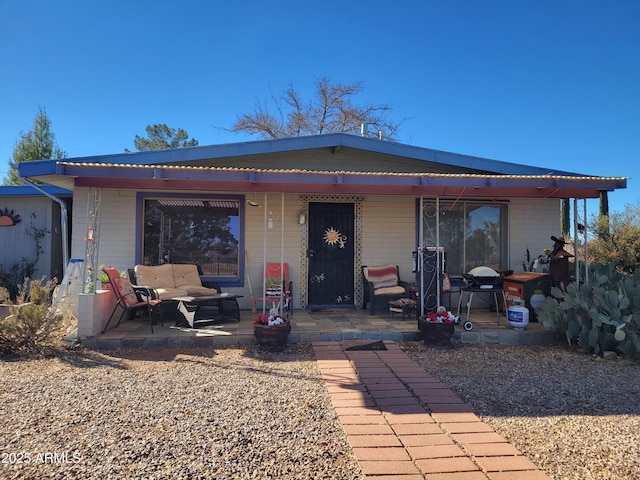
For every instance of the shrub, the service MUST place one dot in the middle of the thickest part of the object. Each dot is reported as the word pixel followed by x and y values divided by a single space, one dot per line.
pixel 32 325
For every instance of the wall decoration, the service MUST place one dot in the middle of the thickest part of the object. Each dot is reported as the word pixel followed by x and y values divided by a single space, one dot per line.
pixel 318 278
pixel 343 298
pixel 8 219
pixel 334 237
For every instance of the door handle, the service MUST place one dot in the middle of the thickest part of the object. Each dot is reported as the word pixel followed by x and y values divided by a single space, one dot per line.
pixel 310 253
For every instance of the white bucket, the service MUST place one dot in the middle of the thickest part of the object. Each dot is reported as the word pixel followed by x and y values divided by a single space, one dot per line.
pixel 517 316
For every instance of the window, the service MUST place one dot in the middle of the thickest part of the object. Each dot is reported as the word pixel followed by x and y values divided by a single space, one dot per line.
pixel 203 230
pixel 473 233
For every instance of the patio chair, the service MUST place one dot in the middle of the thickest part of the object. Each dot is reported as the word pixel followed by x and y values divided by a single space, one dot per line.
pixel 278 290
pixel 382 283
pixel 131 298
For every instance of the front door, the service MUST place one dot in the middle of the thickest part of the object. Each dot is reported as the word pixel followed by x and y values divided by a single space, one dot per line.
pixel 330 255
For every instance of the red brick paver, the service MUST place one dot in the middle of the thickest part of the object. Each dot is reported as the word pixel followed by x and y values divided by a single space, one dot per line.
pixel 403 424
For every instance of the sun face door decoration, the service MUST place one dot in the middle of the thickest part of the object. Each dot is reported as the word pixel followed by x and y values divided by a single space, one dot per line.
pixel 8 219
pixel 334 237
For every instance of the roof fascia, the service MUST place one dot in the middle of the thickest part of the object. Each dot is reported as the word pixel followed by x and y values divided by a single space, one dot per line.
pixel 230 179
pixel 28 190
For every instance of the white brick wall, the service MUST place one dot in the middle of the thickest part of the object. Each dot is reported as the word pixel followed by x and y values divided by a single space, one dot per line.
pixel 117 233
pixel 531 224
pixel 255 236
pixel 387 230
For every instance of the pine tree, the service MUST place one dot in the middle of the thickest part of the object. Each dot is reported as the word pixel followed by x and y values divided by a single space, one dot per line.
pixel 37 144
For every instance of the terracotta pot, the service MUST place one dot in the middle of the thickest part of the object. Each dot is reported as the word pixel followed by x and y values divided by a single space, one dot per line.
pixel 272 337
pixel 438 334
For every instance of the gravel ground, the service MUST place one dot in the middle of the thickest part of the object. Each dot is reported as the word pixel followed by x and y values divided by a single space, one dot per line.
pixel 225 414
pixel 239 413
pixel 574 415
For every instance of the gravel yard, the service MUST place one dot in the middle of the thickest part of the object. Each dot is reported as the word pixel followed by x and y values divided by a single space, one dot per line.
pixel 227 413
pixel 239 413
pixel 574 415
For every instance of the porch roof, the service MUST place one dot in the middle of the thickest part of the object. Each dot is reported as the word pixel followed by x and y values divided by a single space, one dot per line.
pixel 224 168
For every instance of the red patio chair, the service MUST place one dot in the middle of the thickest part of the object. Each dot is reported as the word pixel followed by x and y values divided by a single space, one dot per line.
pixel 131 298
pixel 277 288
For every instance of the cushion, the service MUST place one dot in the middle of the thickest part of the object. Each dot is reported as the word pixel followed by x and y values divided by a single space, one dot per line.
pixel 155 277
pixel 185 275
pixel 126 290
pixel 382 273
pixel 273 292
pixel 198 290
pixel 168 293
pixel 397 290
pixel 386 283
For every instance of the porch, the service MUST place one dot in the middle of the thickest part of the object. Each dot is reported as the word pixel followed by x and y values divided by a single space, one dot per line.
pixel 308 326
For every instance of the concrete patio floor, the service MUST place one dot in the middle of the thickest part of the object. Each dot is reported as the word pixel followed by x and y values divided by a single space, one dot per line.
pixel 310 326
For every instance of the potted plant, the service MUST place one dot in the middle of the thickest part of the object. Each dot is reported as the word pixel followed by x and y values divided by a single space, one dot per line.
pixel 437 327
pixel 272 331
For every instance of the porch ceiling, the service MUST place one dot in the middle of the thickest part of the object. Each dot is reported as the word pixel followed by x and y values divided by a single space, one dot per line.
pixel 168 177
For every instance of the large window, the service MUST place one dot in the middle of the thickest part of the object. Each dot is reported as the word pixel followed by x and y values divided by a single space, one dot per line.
pixel 473 233
pixel 203 230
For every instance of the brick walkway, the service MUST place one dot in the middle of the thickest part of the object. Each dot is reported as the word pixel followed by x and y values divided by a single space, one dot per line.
pixel 403 424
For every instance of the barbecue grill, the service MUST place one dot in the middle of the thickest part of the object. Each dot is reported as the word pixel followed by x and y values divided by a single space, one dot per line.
pixel 483 277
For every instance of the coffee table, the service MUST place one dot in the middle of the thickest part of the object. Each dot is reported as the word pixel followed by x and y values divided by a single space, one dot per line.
pixel 193 307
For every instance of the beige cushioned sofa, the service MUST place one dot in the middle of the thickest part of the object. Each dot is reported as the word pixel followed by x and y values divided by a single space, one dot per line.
pixel 173 280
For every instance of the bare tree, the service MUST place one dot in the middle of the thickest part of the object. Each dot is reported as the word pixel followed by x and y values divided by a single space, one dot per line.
pixel 330 111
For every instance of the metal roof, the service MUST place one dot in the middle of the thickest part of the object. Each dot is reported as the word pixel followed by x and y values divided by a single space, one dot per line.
pixel 191 169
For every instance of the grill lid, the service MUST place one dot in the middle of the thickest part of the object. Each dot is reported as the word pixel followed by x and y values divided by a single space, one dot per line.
pixel 483 272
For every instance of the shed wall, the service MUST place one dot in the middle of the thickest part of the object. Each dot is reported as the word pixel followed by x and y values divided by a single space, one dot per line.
pixel 15 243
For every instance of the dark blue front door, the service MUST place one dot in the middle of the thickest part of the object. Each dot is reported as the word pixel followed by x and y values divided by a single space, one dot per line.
pixel 331 255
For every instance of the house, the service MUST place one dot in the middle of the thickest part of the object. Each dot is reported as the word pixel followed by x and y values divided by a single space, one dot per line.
pixel 31 232
pixel 326 205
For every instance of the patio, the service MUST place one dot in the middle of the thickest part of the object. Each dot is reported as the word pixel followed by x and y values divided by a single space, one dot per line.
pixel 309 326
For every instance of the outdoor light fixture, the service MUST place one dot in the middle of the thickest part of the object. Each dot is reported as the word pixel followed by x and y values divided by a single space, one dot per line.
pixel 270 222
pixel 301 218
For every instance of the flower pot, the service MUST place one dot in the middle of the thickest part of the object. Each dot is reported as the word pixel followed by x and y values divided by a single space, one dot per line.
pixel 436 334
pixel 272 337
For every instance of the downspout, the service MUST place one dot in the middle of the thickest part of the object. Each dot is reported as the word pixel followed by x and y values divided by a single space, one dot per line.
pixel 421 255
pixel 63 221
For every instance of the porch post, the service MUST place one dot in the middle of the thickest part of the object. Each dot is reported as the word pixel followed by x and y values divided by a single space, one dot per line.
pixel 92 240
pixel 586 248
pixel 421 254
pixel 264 256
pixel 282 292
pixel 576 257
pixel 438 260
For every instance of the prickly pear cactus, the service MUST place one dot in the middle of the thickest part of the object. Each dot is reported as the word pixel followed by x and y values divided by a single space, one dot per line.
pixel 599 316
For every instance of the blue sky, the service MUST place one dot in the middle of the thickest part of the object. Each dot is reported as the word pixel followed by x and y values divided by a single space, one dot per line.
pixel 547 82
